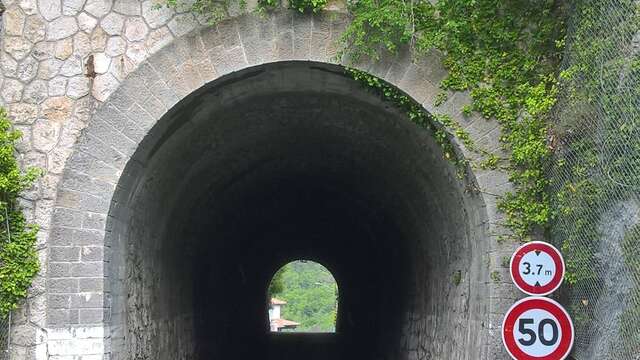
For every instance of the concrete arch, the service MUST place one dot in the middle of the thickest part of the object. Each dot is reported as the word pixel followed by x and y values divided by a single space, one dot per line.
pixel 108 162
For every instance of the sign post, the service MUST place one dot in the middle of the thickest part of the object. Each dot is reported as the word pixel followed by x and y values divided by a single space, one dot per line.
pixel 537 328
pixel 537 268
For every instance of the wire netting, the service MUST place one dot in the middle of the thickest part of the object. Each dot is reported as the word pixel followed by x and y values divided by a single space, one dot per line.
pixel 595 179
pixel 4 337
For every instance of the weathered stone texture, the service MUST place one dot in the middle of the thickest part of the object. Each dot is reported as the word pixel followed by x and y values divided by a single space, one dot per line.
pixel 145 60
pixel 61 28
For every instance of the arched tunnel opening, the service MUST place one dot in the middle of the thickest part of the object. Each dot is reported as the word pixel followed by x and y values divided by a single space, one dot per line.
pixel 293 161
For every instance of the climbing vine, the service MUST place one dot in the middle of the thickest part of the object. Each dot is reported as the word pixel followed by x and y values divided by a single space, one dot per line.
pixel 308 5
pixel 598 161
pixel 505 54
pixel 18 258
pixel 439 125
pixel 217 10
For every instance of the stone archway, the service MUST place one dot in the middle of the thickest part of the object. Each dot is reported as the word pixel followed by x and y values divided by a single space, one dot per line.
pixel 119 167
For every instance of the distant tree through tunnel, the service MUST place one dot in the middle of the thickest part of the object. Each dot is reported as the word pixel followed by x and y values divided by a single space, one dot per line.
pixel 303 297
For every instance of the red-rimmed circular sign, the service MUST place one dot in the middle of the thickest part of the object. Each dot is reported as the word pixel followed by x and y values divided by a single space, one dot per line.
pixel 537 268
pixel 537 328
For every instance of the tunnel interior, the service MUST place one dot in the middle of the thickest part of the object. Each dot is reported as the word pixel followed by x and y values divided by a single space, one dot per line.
pixel 291 161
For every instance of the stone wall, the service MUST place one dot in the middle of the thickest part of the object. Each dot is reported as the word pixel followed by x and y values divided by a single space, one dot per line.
pixel 85 81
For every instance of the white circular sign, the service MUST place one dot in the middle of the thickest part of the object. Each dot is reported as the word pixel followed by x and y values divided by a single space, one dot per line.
pixel 537 328
pixel 537 268
pixel 537 333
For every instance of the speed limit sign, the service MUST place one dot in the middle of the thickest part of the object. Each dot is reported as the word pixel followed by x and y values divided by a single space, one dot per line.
pixel 537 328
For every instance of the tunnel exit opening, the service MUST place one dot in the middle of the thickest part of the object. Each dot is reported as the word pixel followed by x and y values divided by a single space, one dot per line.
pixel 303 297
pixel 292 160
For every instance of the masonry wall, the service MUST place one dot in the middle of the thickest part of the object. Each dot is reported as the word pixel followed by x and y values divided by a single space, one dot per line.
pixel 87 80
pixel 294 160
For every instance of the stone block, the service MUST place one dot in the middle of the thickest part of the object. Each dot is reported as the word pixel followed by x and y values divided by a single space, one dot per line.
pixel 72 7
pixel 35 29
pixel 229 35
pixel 210 37
pixel 127 7
pixel 227 61
pixel 98 8
pixel 93 221
pixel 112 137
pixel 12 91
pixel 58 253
pixel 157 39
pixel 57 86
pixel 35 92
pixel 61 28
pixel 93 253
pixel 94 285
pixel 155 107
pixel 78 86
pixel 91 316
pixel 62 286
pixel 103 86
pixel 59 301
pixel 112 24
pixel 13 20
pixel 116 45
pixel 301 36
pixel 87 301
pixel 73 346
pixel 182 24
pixel 50 9
pixel 59 269
pixel 156 13
pixel 87 22
pixel 27 69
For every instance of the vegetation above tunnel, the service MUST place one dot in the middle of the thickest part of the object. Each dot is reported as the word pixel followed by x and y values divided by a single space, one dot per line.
pixel 504 53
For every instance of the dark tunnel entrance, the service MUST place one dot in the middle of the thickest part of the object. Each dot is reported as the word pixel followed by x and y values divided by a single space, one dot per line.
pixel 285 161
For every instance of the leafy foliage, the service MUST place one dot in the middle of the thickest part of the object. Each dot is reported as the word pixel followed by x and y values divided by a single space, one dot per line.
pixel 504 53
pixel 437 124
pixel 18 258
pixel 308 5
pixel 311 294
pixel 588 179
pixel 276 286
pixel 598 156
pixel 213 10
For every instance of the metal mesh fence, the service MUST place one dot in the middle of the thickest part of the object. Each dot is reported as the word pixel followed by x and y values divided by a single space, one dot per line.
pixel 5 328
pixel 595 179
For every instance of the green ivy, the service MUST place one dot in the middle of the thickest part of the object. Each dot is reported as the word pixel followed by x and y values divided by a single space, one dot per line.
pixel 264 5
pixel 308 5
pixel 18 258
pixel 583 191
pixel 439 125
pixel 600 93
pixel 218 10
pixel 504 53
pixel 214 10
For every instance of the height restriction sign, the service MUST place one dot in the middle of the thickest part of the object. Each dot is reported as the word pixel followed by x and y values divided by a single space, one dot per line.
pixel 537 328
pixel 537 268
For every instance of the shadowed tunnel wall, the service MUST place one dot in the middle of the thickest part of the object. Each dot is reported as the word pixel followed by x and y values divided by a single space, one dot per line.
pixel 285 161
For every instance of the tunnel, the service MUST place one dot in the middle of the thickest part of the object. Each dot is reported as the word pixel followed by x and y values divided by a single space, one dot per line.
pixel 286 161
